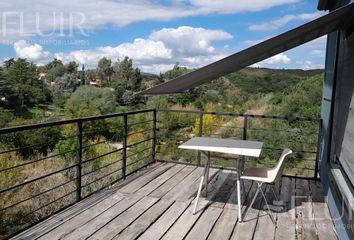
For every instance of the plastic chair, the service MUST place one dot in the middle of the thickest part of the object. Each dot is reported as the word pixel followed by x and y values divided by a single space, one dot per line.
pixel 266 176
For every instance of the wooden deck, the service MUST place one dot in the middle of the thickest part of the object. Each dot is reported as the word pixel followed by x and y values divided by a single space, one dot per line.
pixel 157 204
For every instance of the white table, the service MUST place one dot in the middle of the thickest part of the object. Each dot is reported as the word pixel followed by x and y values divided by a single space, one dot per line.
pixel 228 146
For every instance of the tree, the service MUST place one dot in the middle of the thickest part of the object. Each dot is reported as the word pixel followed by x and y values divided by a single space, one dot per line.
pixel 90 100
pixel 63 87
pixel 129 98
pixel 71 67
pixel 8 98
pixel 22 76
pixel 125 73
pixel 82 76
pixel 176 71
pixel 90 75
pixel 8 63
pixel 105 69
pixel 55 69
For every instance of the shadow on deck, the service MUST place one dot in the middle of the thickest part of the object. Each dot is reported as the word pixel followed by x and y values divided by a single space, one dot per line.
pixel 156 203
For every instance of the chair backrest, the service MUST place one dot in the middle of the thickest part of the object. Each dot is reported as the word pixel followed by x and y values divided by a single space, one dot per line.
pixel 278 169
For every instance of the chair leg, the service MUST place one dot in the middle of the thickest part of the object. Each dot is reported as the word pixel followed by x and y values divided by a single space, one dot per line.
pixel 206 180
pixel 243 188
pixel 253 200
pixel 269 212
pixel 275 195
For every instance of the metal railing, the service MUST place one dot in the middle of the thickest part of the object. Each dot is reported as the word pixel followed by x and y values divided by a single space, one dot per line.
pixel 47 167
pixel 301 134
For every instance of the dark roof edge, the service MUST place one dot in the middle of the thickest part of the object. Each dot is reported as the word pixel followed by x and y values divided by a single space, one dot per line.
pixel 326 4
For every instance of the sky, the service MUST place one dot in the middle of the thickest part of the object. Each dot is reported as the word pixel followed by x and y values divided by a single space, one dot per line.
pixel 156 34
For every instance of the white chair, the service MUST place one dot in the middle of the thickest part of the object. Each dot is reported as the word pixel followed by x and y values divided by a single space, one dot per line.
pixel 267 176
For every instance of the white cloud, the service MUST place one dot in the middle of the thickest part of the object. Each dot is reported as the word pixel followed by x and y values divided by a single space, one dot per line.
pixel 190 41
pixel 232 6
pixel 191 47
pixel 49 18
pixel 33 52
pixel 281 22
pixel 317 52
pixel 307 64
pixel 280 58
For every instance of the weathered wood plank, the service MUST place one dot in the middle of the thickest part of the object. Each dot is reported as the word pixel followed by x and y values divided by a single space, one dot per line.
pixel 144 221
pixel 158 229
pixel 215 189
pixel 265 228
pixel 118 224
pixel 65 215
pixel 155 183
pixel 232 202
pixel 181 227
pixel 95 224
pixel 304 211
pixel 187 220
pixel 172 182
pixel 61 217
pixel 225 190
pixel 183 186
pixel 204 224
pixel 81 219
pixel 245 230
pixel 123 212
pixel 226 222
pixel 286 218
pixel 190 191
pixel 323 220
pixel 145 179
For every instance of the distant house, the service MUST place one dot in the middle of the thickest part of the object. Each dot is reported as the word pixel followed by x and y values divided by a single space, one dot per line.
pixel 96 82
pixel 42 75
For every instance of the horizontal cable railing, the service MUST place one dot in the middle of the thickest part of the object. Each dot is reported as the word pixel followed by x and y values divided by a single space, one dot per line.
pixel 47 167
pixel 301 134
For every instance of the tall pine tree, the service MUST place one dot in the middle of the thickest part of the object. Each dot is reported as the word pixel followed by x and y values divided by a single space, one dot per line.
pixel 6 91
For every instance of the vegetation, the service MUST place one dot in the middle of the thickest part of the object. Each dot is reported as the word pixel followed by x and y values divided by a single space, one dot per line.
pixel 31 94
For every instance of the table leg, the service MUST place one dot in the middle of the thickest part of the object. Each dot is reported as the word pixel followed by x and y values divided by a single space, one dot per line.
pixel 239 203
pixel 206 179
pixel 205 176
pixel 198 194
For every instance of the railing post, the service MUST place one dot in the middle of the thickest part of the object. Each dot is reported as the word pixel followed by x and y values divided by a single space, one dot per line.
pixel 154 117
pixel 200 134
pixel 245 123
pixel 319 139
pixel 125 140
pixel 78 160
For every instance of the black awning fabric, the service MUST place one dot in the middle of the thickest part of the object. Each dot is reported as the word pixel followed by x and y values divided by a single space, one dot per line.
pixel 283 42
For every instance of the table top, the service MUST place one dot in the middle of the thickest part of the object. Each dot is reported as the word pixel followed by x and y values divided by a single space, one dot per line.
pixel 224 145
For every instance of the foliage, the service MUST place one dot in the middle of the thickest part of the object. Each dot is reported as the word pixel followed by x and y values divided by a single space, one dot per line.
pixel 105 69
pixel 90 101
pixel 56 69
pixel 44 139
pixel 7 92
pixel 6 116
pixel 125 73
pixel 29 90
pixel 63 87
pixel 302 99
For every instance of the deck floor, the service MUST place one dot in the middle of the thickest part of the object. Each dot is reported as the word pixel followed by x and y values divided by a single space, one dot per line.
pixel 157 204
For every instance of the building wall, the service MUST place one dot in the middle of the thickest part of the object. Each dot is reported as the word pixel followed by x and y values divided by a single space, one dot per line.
pixel 337 97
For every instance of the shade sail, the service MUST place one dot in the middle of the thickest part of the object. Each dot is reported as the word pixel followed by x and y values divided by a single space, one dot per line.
pixel 283 42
